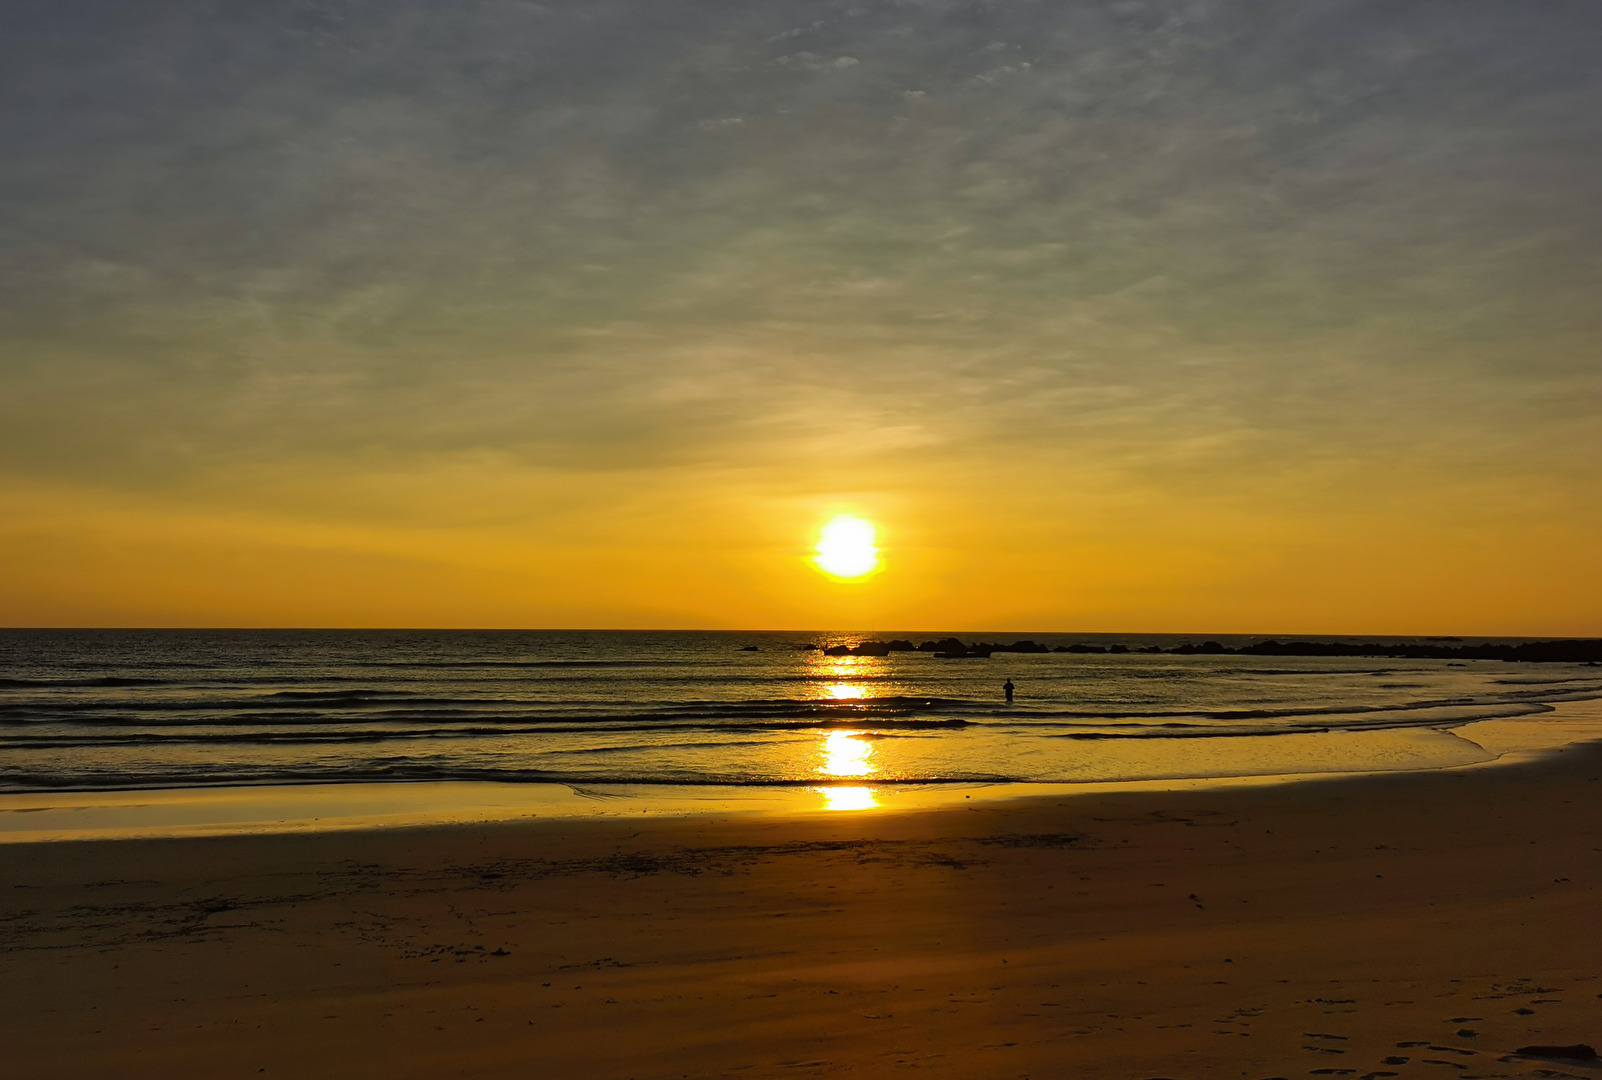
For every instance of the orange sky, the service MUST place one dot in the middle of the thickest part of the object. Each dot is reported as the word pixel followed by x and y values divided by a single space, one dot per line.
pixel 477 315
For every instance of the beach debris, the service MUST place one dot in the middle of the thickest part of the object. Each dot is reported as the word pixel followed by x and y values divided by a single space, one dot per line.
pixel 1576 1052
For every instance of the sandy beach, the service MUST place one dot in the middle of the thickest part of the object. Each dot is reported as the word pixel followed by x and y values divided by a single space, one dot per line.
pixel 1414 925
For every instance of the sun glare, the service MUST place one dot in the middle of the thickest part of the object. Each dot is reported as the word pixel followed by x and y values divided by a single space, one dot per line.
pixel 846 755
pixel 846 549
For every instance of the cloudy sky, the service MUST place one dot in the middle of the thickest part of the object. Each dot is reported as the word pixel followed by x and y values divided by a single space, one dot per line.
pixel 1135 315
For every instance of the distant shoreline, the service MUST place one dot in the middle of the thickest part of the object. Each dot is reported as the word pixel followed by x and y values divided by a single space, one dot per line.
pixel 1552 650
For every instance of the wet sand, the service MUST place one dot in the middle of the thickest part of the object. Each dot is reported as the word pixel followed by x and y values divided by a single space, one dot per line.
pixel 1414 925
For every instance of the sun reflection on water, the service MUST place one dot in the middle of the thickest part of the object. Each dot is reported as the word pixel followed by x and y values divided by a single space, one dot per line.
pixel 844 754
pixel 845 678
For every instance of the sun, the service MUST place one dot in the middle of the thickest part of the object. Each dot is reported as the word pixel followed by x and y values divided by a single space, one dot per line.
pixel 846 549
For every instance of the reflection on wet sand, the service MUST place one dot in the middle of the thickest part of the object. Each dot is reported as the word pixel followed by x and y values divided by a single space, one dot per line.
pixel 848 798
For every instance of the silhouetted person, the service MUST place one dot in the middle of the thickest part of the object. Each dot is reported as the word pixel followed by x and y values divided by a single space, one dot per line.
pixel 1007 688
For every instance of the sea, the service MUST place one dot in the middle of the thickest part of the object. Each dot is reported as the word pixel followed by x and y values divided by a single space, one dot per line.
pixel 137 710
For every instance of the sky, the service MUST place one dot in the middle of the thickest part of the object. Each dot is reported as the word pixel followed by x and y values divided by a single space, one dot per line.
pixel 1224 316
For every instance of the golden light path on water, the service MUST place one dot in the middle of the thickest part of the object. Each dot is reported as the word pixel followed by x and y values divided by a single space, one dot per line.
pixel 844 754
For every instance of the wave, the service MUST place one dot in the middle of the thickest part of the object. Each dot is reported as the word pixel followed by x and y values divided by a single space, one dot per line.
pixel 1468 715
pixel 387 707
pixel 1442 715
pixel 323 736
pixel 104 680
pixel 21 782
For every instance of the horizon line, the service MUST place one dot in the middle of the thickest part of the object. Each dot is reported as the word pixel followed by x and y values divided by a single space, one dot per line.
pixel 753 630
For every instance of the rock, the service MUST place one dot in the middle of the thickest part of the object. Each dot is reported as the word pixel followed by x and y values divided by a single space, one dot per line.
pixel 1577 1052
pixel 866 648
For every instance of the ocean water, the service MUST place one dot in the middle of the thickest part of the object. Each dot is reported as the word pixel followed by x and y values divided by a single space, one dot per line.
pixel 117 710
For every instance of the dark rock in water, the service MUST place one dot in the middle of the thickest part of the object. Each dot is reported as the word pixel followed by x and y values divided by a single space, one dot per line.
pixel 1568 651
pixel 1081 647
pixel 901 645
pixel 1024 646
pixel 1206 648
pixel 749 648
pixel 866 648
pixel 950 644
pixel 806 647
pixel 1119 649
pixel 1577 1052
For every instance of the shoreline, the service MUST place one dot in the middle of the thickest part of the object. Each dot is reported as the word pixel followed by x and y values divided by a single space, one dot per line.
pixel 271 808
pixel 1369 925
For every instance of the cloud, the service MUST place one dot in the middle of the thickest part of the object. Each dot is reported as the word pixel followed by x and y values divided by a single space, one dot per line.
pixel 620 233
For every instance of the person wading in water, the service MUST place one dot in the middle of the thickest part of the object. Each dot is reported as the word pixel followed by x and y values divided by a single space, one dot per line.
pixel 1007 688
